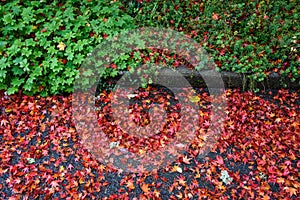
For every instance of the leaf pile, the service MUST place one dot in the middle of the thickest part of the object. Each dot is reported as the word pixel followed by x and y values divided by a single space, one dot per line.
pixel 256 157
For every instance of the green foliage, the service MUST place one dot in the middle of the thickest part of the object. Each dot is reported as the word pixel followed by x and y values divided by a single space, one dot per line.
pixel 253 38
pixel 43 43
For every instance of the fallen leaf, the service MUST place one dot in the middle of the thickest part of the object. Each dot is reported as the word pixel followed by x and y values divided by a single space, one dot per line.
pixel 145 188
pixel 215 16
pixel 61 46
pixel 194 99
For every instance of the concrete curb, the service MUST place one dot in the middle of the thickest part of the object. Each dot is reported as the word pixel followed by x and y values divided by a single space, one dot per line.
pixel 236 80
pixel 230 79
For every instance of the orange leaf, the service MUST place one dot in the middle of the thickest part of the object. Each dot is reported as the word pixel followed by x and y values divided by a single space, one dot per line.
pixel 129 184
pixel 145 188
pixel 265 197
pixel 156 193
pixel 215 16
pixel 291 190
pixel 181 180
pixel 280 180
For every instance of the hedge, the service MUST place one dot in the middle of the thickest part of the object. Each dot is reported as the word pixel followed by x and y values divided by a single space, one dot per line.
pixel 255 38
pixel 43 43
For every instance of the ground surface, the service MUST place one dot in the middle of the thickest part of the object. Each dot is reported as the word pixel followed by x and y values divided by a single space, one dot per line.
pixel 256 156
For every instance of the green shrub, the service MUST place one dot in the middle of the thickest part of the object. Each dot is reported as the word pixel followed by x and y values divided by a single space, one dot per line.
pixel 43 43
pixel 254 38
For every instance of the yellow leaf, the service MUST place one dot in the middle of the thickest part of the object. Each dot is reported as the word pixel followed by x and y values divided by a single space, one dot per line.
pixel 181 181
pixel 272 115
pixel 141 151
pixel 8 110
pixel 81 180
pixel 61 168
pixel 61 46
pixel 65 144
pixel 179 196
pixel 177 169
pixel 194 99
pixel 277 120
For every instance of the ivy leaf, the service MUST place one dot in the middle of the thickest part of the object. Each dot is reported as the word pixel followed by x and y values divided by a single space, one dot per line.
pixel 27 15
pixel 8 19
pixel 17 82
pixel 2 45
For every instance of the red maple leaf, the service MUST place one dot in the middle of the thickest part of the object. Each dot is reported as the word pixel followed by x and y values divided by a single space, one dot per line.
pixel 54 184
pixel 186 160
